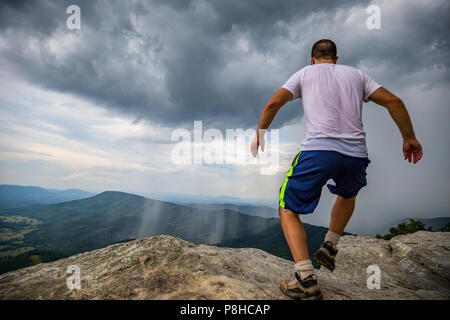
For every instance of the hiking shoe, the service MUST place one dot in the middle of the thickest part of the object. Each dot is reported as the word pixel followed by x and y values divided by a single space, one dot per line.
pixel 326 255
pixel 306 289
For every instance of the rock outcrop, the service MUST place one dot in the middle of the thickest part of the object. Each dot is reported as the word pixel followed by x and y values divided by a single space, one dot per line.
pixel 414 266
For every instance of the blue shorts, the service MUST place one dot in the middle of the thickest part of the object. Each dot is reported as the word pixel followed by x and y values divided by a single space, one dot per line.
pixel 309 172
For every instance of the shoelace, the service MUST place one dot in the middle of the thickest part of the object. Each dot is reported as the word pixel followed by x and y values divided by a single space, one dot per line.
pixel 293 279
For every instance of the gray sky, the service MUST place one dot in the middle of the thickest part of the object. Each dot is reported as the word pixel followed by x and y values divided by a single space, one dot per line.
pixel 95 108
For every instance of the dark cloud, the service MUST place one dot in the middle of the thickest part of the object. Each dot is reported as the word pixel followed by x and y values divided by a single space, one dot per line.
pixel 414 40
pixel 217 61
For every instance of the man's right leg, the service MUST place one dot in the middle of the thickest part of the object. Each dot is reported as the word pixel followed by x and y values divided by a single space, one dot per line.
pixel 295 234
pixel 304 285
pixel 300 193
pixel 340 215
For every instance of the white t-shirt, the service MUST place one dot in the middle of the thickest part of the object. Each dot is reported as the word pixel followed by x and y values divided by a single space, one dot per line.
pixel 332 97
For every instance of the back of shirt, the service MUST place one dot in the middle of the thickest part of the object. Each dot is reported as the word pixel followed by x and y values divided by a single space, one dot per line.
pixel 332 97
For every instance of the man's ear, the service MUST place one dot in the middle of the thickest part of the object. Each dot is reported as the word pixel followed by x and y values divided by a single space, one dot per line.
pixel 312 60
pixel 336 59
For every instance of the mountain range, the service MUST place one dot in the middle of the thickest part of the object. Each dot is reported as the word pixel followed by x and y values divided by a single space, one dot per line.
pixel 33 230
pixel 45 232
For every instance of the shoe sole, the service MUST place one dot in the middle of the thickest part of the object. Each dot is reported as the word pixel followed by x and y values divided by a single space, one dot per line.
pixel 324 260
pixel 301 296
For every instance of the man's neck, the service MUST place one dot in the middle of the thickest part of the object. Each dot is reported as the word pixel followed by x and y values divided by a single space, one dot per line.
pixel 324 61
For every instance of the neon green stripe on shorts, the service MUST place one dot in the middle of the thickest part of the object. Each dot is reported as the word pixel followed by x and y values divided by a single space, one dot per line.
pixel 283 187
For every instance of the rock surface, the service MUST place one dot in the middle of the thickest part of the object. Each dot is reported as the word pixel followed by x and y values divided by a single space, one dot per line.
pixel 414 266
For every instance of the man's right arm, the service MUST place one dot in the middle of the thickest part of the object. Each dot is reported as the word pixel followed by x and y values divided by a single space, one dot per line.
pixel 412 150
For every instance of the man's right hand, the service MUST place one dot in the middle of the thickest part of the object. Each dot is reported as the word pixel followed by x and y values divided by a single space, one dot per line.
pixel 412 150
pixel 279 99
pixel 257 142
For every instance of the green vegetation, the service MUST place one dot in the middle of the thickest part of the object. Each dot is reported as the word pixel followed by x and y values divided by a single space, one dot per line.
pixel 446 228
pixel 9 252
pixel 28 259
pixel 35 259
pixel 16 227
pixel 12 231
pixel 404 228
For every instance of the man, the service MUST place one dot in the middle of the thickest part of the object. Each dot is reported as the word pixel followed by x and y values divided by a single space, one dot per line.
pixel 335 148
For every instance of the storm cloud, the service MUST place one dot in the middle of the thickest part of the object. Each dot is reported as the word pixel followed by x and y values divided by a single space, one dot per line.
pixel 174 62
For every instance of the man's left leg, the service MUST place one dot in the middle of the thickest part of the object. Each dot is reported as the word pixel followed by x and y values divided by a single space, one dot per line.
pixel 340 215
pixel 350 178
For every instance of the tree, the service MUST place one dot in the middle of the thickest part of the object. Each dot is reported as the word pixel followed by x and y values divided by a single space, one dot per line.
pixel 446 228
pixel 404 228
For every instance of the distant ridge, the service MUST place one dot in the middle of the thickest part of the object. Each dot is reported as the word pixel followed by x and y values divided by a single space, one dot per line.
pixel 205 199
pixel 253 210
pixel 15 196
